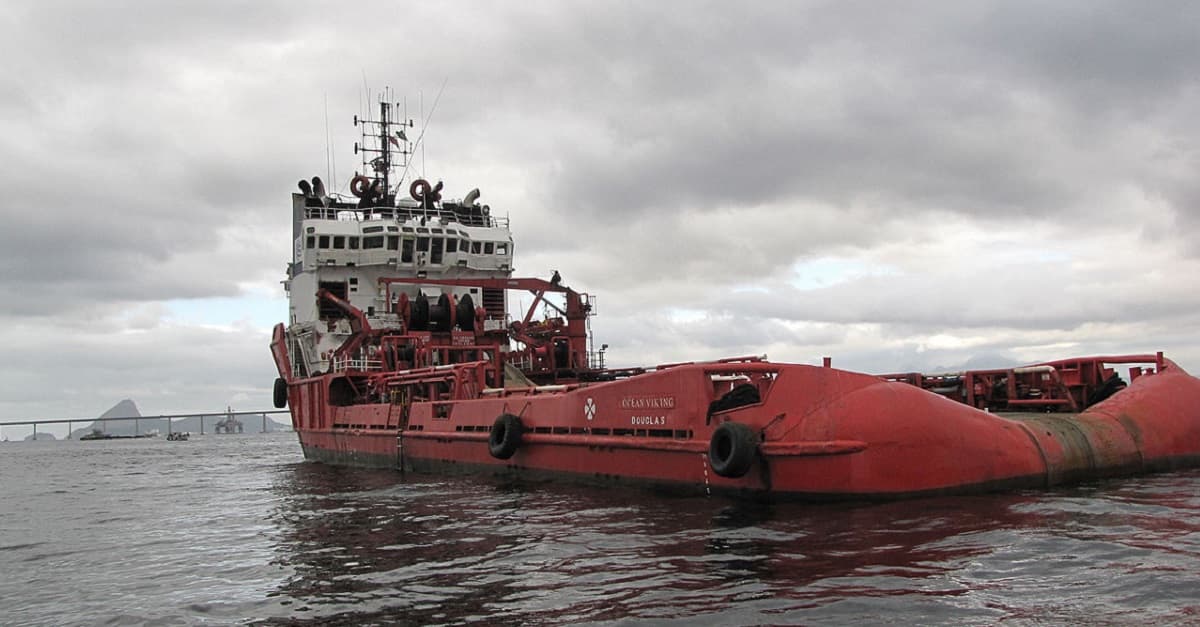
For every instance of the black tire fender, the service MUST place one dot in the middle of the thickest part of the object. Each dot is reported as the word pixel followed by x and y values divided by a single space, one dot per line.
pixel 281 393
pixel 732 449
pixel 505 437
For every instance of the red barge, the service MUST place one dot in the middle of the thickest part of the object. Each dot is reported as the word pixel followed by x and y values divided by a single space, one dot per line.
pixel 400 352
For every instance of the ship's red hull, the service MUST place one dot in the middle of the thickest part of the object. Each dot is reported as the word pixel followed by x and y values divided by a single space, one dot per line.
pixel 820 433
pixel 402 352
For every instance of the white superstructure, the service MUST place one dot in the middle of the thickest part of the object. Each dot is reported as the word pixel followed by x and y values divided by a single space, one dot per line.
pixel 347 245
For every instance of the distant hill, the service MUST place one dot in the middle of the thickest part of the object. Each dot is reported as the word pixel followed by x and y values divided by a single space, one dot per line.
pixel 124 409
pixel 251 423
pixel 40 436
pixel 986 361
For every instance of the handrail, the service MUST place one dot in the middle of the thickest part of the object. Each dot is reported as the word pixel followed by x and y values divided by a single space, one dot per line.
pixel 342 365
pixel 400 215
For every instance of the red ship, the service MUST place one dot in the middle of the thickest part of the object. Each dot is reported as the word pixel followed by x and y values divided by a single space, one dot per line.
pixel 400 352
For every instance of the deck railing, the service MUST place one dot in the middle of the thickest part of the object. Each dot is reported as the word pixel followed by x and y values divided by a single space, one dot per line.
pixel 341 365
pixel 352 214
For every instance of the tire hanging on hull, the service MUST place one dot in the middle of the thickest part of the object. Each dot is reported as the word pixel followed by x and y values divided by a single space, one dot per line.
pixel 732 449
pixel 505 436
pixel 280 393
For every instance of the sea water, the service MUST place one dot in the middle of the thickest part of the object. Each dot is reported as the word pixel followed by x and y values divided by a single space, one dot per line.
pixel 237 529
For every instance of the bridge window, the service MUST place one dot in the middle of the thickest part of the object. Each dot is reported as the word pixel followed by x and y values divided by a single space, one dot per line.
pixel 406 253
pixel 451 245
pixel 375 241
pixel 422 244
pixel 435 255
pixel 488 247
pixel 323 242
pixel 502 249
pixel 339 241
pixel 372 229
pixel 310 242
pixel 354 242
pixel 393 242
pixel 476 248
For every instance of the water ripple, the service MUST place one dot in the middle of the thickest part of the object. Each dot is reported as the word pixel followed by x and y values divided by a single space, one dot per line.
pixel 237 529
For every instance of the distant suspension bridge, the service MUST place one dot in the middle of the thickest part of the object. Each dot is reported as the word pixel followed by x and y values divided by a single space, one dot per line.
pixel 226 417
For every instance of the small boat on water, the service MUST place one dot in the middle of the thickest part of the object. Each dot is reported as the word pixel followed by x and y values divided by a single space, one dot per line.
pixel 400 352
pixel 178 436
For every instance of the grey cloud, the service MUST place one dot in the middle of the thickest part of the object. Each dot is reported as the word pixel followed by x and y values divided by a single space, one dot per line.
pixel 1032 296
pixel 662 155
pixel 955 121
pixel 159 368
pixel 1106 53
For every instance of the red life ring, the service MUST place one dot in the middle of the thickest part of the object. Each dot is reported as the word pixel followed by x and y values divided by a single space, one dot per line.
pixel 419 189
pixel 359 185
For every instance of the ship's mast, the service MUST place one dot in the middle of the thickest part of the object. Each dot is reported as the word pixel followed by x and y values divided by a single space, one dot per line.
pixel 385 143
pixel 385 138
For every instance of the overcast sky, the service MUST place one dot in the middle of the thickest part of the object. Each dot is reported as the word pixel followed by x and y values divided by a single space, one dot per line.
pixel 899 185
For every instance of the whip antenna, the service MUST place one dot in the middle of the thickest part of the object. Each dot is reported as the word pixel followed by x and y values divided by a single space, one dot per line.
pixel 422 135
pixel 328 153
